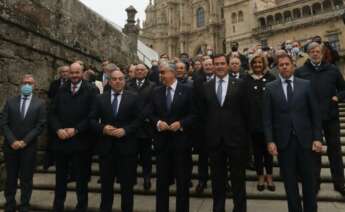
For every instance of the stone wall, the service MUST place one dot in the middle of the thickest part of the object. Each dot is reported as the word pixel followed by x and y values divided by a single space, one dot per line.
pixel 37 36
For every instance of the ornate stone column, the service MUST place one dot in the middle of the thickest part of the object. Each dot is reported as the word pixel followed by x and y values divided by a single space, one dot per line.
pixel 131 30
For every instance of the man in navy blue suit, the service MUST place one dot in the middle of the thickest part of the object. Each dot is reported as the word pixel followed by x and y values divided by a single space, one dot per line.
pixel 293 131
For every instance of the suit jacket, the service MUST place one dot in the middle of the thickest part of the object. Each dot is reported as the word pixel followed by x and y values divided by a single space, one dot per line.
pixel 128 117
pixel 182 110
pixel 227 123
pixel 54 88
pixel 27 129
pixel 72 111
pixel 144 96
pixel 326 83
pixel 300 117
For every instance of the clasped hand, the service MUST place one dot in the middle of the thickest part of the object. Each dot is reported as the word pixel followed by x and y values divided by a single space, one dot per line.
pixel 113 131
pixel 163 126
pixel 66 133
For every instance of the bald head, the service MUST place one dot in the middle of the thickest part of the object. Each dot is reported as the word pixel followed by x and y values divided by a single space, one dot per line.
pixel 76 72
pixel 140 72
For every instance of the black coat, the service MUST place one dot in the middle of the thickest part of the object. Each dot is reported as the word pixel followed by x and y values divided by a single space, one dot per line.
pixel 326 83
pixel 54 88
pixel 28 129
pixel 144 96
pixel 254 92
pixel 301 116
pixel 128 117
pixel 227 123
pixel 72 111
pixel 182 110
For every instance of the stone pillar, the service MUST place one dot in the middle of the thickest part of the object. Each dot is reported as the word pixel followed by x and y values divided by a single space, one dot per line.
pixel 131 30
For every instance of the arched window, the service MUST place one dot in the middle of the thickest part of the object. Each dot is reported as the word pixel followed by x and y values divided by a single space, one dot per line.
pixel 234 18
pixel 327 5
pixel 296 13
pixel 316 8
pixel 200 17
pixel 270 20
pixel 306 11
pixel 262 22
pixel 240 16
pixel 279 18
pixel 287 16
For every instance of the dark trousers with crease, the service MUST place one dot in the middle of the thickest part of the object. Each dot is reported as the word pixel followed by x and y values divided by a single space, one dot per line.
pixel 331 130
pixel 78 161
pixel 123 169
pixel 173 164
pixel 297 161
pixel 145 156
pixel 237 158
pixel 19 164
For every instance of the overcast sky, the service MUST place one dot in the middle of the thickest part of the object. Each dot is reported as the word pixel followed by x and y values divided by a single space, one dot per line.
pixel 114 10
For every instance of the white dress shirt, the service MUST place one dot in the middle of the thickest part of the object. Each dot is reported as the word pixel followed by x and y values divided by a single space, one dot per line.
pixel 284 84
pixel 77 88
pixel 27 103
pixel 224 87
pixel 140 82
pixel 173 89
pixel 119 97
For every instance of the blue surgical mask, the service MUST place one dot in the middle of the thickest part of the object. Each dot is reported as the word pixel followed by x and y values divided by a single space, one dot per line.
pixel 26 90
pixel 288 46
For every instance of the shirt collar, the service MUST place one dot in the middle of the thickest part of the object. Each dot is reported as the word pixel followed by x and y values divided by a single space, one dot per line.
pixel 225 79
pixel 27 97
pixel 314 63
pixel 174 85
pixel 113 92
pixel 282 79
pixel 78 84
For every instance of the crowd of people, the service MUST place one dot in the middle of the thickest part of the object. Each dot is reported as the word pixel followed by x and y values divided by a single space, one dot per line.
pixel 234 111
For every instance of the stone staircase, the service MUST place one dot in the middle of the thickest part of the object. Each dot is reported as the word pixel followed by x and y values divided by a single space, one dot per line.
pixel 44 181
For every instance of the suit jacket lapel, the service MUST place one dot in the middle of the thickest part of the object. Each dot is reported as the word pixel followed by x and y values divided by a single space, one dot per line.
pixel 31 106
pixel 122 102
pixel 176 96
pixel 281 91
pixel 231 87
pixel 213 90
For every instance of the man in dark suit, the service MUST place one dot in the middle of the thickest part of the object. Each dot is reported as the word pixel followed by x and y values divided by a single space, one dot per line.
pixel 205 75
pixel 172 116
pixel 235 68
pixel 235 53
pixel 181 74
pixel 63 73
pixel 23 120
pixel 293 131
pixel 328 86
pixel 115 116
pixel 223 111
pixel 69 120
pixel 144 88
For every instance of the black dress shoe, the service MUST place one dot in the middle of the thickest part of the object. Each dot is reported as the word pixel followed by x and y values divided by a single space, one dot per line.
pixel 147 184
pixel 200 187
pixel 341 190
pixel 260 187
pixel 271 187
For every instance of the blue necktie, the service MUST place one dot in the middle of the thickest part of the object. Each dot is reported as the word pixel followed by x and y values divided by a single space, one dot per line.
pixel 220 91
pixel 114 104
pixel 289 91
pixel 22 109
pixel 168 98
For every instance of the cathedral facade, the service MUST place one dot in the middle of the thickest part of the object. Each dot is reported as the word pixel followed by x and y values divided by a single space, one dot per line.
pixel 200 26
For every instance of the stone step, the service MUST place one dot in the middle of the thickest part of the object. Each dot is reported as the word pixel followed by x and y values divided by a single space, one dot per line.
pixel 250 175
pixel 42 200
pixel 47 182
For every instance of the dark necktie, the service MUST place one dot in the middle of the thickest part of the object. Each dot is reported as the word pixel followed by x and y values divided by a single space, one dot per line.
pixel 74 89
pixel 289 90
pixel 114 104
pixel 220 91
pixel 22 109
pixel 168 98
pixel 140 83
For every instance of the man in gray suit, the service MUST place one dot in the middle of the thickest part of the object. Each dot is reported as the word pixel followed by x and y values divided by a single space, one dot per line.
pixel 23 120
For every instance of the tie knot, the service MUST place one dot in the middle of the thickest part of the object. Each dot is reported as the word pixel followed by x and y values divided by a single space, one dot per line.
pixel 288 81
pixel 116 94
pixel 221 81
pixel 25 98
pixel 169 88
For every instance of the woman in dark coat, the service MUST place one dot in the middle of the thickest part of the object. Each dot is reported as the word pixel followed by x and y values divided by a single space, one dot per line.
pixel 256 81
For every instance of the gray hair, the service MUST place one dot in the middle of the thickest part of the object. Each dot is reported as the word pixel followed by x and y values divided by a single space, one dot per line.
pixel 111 67
pixel 312 45
pixel 168 65
pixel 60 68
